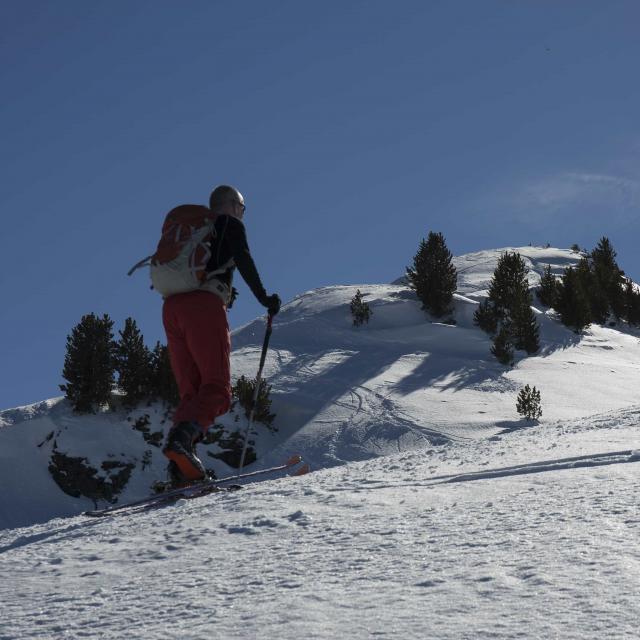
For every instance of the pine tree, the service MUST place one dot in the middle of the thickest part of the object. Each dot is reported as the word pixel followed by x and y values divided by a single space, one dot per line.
pixel 134 365
pixel 433 276
pixel 508 284
pixel 360 310
pixel 526 333
pixel 573 302
pixel 548 291
pixel 486 317
pixel 631 303
pixel 502 347
pixel 609 278
pixel 591 291
pixel 163 382
pixel 528 404
pixel 89 364
pixel 599 282
pixel 507 311
pixel 243 391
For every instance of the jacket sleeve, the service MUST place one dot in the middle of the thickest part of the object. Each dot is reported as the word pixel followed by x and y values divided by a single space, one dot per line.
pixel 236 237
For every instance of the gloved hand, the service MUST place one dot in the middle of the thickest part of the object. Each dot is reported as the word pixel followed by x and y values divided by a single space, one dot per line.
pixel 272 303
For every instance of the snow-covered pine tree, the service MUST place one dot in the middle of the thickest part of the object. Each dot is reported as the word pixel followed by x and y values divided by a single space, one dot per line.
pixel 163 382
pixel 360 310
pixel 433 276
pixel 548 290
pixel 528 403
pixel 134 365
pixel 573 302
pixel 89 364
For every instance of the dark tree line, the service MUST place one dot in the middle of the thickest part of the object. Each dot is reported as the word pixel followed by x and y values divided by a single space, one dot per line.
pixel 95 364
pixel 596 290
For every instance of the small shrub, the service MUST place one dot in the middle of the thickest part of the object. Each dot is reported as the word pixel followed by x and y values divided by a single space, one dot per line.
pixel 360 310
pixel 528 403
pixel 243 391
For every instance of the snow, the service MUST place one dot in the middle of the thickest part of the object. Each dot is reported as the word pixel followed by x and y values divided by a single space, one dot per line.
pixel 433 511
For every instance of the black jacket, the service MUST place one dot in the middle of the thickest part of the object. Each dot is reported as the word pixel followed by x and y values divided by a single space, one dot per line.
pixel 231 243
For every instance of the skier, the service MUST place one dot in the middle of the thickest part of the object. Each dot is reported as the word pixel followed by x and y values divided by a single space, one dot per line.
pixel 198 333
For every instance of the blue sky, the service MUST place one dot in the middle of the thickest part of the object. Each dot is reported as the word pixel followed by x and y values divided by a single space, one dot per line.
pixel 353 128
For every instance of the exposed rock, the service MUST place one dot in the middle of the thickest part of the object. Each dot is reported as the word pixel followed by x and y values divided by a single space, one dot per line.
pixel 150 437
pixel 76 477
pixel 231 445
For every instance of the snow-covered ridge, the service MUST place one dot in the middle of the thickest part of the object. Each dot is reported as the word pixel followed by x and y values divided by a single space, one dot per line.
pixel 343 394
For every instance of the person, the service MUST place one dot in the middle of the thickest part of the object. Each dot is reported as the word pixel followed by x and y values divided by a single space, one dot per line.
pixel 198 335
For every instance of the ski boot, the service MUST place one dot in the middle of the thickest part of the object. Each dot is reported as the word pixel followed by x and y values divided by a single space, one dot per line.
pixel 180 449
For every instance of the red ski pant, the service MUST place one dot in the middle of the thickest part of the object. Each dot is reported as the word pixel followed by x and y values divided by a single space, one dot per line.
pixel 199 348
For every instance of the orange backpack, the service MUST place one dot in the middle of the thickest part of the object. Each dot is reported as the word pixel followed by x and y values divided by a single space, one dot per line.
pixel 180 261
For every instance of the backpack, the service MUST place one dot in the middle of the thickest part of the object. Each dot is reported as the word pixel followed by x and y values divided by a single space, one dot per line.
pixel 180 261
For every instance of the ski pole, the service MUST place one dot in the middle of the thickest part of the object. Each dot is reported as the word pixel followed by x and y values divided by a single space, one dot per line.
pixel 256 391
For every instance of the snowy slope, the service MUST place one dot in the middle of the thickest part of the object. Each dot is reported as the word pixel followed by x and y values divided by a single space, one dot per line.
pixel 344 394
pixel 452 518
pixel 384 548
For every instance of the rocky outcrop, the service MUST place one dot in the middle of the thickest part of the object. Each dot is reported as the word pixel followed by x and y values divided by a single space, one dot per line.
pixel 76 477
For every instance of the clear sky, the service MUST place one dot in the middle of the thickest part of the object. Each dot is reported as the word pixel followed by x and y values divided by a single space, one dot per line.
pixel 352 127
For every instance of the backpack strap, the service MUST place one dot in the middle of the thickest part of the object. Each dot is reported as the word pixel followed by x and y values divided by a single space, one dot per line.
pixel 145 262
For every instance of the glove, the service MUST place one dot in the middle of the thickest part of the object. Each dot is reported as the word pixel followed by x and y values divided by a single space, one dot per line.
pixel 272 303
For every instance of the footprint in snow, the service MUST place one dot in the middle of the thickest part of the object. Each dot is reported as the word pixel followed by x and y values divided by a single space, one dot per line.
pixel 300 518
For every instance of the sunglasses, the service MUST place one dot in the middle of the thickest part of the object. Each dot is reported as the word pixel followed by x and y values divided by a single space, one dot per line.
pixel 240 204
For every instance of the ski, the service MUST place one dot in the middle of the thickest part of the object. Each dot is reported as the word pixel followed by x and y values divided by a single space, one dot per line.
pixel 198 489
